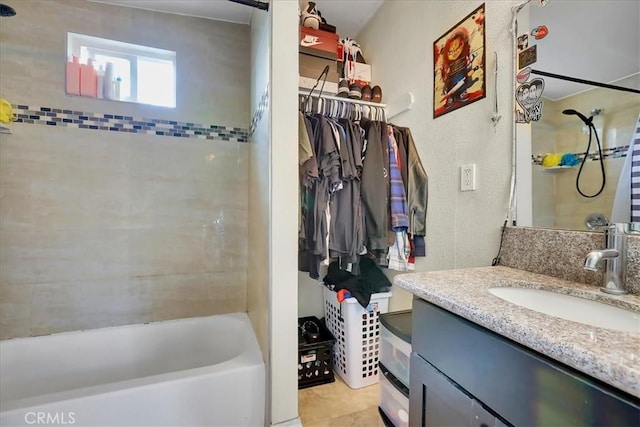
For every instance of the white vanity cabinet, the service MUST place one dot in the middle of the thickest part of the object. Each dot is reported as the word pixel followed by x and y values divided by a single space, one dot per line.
pixel 463 374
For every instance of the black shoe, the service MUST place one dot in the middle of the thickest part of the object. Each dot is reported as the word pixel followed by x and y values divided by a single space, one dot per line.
pixel 343 88
pixel 355 92
pixel 311 331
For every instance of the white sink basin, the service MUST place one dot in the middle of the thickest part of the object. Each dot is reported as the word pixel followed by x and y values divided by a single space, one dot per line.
pixel 572 308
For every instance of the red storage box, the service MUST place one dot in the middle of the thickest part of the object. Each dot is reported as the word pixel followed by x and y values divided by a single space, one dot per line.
pixel 318 43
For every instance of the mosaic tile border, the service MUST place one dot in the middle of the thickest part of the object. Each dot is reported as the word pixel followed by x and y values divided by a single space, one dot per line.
pixel 607 153
pixel 263 106
pixel 49 116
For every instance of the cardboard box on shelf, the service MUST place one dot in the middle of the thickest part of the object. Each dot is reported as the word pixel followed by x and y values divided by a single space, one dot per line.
pixel 327 27
pixel 306 83
pixel 355 71
pixel 312 66
pixel 318 43
pixel 340 52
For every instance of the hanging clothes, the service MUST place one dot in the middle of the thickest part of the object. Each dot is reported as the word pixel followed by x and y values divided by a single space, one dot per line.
pixel 346 229
pixel 417 185
pixel 313 246
pixel 307 167
pixel 398 198
pixel 363 190
pixel 375 186
pixel 400 249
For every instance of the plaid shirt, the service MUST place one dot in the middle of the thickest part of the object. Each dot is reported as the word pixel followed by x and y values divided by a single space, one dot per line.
pixel 398 199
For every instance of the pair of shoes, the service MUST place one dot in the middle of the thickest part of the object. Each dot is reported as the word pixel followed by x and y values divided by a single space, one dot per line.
pixel 351 50
pixel 343 88
pixel 310 17
pixel 355 92
pixel 376 94
pixel 366 93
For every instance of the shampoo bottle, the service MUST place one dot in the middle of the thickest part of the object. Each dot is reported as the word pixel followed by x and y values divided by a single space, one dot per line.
pixel 108 81
pixel 100 82
pixel 73 76
pixel 116 87
pixel 88 80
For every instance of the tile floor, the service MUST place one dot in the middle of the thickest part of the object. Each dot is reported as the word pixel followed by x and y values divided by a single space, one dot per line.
pixel 336 404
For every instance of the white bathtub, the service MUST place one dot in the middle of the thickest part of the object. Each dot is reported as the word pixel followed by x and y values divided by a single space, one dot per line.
pixel 187 372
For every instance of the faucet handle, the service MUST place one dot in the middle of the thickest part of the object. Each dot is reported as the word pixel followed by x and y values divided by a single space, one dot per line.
pixel 632 228
pixel 596 222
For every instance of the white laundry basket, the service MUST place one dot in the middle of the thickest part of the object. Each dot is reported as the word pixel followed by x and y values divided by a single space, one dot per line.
pixel 357 332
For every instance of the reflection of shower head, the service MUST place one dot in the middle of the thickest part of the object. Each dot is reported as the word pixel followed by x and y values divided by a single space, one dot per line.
pixel 6 10
pixel 579 114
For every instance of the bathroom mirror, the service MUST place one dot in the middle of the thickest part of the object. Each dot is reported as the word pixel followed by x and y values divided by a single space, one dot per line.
pixel 579 45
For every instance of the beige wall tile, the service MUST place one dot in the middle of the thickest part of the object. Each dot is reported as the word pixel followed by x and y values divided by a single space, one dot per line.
pixel 69 306
pixel 15 310
pixel 198 295
pixel 98 228
pixel 212 58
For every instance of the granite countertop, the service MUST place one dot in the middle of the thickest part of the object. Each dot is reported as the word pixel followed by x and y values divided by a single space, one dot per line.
pixel 608 355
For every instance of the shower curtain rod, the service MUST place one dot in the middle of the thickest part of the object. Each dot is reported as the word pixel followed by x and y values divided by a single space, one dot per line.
pixel 253 3
pixel 588 82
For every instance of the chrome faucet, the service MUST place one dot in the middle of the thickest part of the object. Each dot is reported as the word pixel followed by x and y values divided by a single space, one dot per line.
pixel 615 258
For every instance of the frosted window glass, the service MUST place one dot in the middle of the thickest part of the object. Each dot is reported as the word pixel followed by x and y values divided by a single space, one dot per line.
pixel 156 82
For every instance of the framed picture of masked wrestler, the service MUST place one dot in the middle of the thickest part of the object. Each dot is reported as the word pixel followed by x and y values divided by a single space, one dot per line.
pixel 459 65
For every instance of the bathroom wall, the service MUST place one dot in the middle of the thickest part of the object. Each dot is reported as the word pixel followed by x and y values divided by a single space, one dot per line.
pixel 283 227
pixel 272 287
pixel 129 223
pixel 463 228
pixel 556 202
pixel 258 224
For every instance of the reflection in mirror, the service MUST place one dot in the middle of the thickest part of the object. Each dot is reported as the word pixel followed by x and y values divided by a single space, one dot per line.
pixel 609 55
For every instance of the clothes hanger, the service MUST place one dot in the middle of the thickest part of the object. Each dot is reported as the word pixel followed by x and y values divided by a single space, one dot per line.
pixel 325 73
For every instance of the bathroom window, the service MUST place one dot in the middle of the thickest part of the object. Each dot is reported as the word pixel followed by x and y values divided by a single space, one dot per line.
pixel 114 70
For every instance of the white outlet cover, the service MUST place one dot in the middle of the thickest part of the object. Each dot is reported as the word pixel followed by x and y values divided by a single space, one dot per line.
pixel 468 177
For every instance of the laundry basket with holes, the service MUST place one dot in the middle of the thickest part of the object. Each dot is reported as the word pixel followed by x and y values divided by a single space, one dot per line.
pixel 357 332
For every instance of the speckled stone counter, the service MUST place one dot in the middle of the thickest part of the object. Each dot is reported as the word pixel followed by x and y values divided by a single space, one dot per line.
pixel 560 253
pixel 608 355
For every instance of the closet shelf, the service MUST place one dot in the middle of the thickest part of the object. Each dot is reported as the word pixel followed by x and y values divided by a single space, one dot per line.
pixel 349 100
pixel 556 168
pixel 6 128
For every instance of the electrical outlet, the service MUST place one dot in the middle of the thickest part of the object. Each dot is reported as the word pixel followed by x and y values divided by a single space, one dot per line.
pixel 468 177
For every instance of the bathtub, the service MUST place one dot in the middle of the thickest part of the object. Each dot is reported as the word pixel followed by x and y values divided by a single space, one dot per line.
pixel 187 372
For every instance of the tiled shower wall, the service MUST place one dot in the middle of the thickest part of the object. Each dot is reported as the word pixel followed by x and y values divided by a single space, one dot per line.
pixel 119 213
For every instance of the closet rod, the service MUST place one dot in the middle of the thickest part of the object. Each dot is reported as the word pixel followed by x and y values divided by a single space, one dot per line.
pixel 253 3
pixel 349 100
